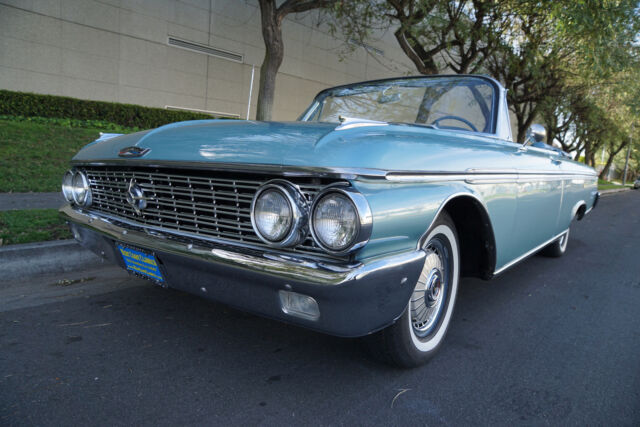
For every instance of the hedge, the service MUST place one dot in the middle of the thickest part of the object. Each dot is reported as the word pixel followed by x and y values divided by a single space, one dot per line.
pixel 128 115
pixel 102 125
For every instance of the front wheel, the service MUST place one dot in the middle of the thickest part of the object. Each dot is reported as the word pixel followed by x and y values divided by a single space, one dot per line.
pixel 414 338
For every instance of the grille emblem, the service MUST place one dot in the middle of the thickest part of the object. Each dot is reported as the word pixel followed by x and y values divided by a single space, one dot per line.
pixel 136 197
pixel 133 151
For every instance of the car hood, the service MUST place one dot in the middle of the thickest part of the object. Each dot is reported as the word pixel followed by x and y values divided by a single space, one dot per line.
pixel 228 141
pixel 307 144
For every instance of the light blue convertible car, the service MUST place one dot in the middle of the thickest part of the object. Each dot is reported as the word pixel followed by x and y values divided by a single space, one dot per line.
pixel 356 220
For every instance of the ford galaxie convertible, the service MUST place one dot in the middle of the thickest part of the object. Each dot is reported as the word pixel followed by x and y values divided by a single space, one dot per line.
pixel 359 219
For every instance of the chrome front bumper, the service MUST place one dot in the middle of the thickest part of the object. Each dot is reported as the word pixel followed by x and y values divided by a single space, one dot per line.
pixel 354 299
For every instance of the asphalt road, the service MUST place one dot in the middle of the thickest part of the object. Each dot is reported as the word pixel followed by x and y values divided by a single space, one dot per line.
pixel 551 341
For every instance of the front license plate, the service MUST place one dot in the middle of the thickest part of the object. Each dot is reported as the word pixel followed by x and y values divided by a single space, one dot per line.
pixel 141 263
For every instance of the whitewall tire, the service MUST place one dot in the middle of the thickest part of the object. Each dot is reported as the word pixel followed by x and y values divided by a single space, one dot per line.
pixel 416 336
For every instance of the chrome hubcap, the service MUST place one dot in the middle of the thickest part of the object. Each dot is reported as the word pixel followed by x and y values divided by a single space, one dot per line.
pixel 433 287
pixel 429 294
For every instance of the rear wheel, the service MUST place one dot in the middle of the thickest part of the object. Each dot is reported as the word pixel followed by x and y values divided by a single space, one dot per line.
pixel 414 338
pixel 558 247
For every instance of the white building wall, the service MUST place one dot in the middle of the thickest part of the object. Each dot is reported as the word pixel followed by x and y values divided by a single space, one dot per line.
pixel 116 50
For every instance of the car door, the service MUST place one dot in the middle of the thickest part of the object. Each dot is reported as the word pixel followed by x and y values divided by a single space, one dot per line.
pixel 539 196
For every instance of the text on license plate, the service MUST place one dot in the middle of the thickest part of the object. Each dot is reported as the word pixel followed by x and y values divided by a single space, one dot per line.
pixel 140 262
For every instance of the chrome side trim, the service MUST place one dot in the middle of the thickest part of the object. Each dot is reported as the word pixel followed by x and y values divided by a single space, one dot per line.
pixel 527 254
pixel 476 176
pixel 424 177
pixel 286 267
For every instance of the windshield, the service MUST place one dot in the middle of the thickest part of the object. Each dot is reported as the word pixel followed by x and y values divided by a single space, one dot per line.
pixel 460 103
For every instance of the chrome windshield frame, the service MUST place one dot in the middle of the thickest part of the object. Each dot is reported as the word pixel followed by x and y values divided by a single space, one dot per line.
pixel 499 107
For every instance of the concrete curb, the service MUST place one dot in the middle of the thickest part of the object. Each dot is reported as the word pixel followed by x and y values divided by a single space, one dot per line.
pixel 59 256
pixel 614 190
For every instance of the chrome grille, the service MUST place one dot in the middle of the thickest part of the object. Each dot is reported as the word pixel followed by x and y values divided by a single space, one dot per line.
pixel 210 204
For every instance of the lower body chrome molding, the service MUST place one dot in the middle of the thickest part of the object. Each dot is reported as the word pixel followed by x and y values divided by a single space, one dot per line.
pixel 528 254
pixel 353 299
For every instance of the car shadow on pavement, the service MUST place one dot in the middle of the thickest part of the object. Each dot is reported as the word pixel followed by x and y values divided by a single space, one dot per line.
pixel 145 349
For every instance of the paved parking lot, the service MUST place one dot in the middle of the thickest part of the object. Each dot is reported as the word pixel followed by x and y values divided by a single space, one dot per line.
pixel 551 341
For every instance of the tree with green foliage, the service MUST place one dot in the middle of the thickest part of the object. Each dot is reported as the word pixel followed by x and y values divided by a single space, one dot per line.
pixel 435 35
pixel 542 51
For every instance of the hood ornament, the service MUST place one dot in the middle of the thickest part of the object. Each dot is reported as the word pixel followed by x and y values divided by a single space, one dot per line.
pixel 133 151
pixel 355 122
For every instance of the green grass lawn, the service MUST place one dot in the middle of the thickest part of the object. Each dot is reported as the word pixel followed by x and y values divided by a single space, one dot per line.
pixel 607 185
pixel 35 225
pixel 33 156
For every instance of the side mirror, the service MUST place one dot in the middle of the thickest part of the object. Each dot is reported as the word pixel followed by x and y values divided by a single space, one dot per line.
pixel 536 133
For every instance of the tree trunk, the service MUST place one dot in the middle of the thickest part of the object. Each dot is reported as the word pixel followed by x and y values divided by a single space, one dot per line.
pixel 551 135
pixel 614 152
pixel 605 170
pixel 425 64
pixel 274 54
pixel 587 154
pixel 524 122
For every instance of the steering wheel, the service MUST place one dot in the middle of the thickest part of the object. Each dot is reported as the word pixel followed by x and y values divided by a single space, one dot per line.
pixel 458 118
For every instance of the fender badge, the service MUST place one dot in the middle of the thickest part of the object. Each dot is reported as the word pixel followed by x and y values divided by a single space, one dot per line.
pixel 133 151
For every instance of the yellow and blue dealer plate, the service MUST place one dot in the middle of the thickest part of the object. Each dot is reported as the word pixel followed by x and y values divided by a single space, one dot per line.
pixel 141 263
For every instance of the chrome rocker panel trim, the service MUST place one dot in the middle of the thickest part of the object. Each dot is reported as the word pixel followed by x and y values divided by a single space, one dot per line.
pixel 527 254
pixel 354 299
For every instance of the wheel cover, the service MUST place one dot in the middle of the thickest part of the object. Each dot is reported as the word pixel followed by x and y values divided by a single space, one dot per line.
pixel 564 239
pixel 429 296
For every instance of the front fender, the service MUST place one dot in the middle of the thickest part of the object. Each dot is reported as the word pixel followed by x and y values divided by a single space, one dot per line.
pixel 403 212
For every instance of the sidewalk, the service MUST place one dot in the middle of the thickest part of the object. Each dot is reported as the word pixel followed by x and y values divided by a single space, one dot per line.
pixel 15 201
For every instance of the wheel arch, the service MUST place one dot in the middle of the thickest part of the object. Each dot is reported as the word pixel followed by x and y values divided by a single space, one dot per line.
pixel 475 234
pixel 579 210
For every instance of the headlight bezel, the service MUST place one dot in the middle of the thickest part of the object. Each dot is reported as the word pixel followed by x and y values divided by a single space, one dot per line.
pixel 298 205
pixel 67 187
pixel 86 201
pixel 363 214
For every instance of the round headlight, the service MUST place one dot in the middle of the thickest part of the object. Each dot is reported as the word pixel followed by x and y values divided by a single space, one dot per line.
pixel 81 190
pixel 67 186
pixel 336 222
pixel 272 215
